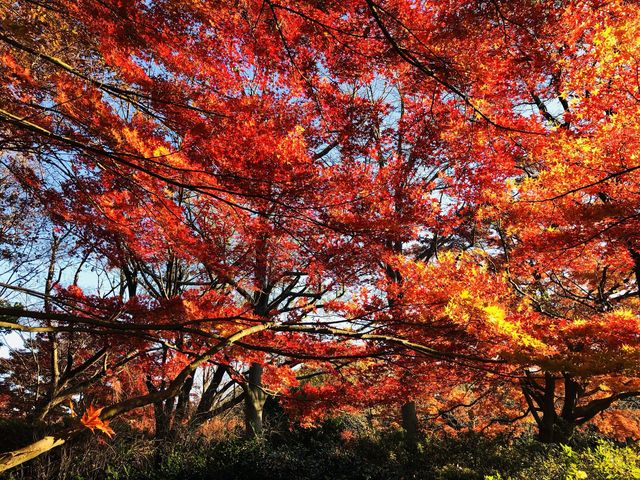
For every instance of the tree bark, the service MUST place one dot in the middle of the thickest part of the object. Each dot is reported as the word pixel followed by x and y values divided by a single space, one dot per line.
pixel 184 403
pixel 208 397
pixel 16 457
pixel 12 459
pixel 553 427
pixel 410 424
pixel 254 401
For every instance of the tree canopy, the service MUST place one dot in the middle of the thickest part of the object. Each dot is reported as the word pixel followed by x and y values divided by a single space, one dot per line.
pixel 342 205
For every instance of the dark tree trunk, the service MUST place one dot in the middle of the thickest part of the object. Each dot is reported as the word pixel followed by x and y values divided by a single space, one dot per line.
pixel 553 426
pixel 184 403
pixel 42 409
pixel 557 432
pixel 410 424
pixel 162 412
pixel 548 408
pixel 205 405
pixel 254 401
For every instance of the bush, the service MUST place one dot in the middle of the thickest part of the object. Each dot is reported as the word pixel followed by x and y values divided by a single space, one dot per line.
pixel 605 461
pixel 343 448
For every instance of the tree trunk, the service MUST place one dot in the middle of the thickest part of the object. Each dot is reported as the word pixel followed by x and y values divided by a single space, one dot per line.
pixel 558 431
pixel 553 427
pixel 410 424
pixel 548 406
pixel 254 401
pixel 209 395
pixel 42 409
pixel 162 414
pixel 184 404
pixel 546 432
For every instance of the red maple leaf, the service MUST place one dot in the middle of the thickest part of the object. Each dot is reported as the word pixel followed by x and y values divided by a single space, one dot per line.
pixel 91 419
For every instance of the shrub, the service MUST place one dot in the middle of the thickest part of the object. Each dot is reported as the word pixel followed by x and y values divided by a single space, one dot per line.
pixel 328 453
pixel 604 461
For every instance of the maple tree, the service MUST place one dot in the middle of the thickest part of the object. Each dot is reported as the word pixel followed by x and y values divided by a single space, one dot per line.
pixel 406 200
